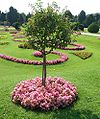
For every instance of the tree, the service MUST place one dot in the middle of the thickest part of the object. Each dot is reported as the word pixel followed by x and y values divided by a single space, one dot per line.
pixel 47 28
pixel 3 17
pixel 28 16
pixel 12 15
pixel 22 18
pixel 16 25
pixel 89 20
pixel 82 17
pixel 68 14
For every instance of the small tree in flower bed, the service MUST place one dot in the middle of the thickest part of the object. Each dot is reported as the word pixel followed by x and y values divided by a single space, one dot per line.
pixel 47 28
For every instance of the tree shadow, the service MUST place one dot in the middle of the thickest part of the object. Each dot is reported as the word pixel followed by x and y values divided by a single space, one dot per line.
pixel 67 113
pixel 74 114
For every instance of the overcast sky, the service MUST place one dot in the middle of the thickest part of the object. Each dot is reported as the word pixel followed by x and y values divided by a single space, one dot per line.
pixel 75 6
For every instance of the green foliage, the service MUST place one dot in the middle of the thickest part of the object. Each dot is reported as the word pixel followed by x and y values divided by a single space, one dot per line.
pixel 82 17
pixel 16 25
pixel 4 43
pixel 67 14
pixel 81 27
pixel 47 28
pixel 89 20
pixel 93 28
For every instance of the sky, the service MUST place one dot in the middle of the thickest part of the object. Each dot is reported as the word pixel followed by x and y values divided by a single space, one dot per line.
pixel 75 6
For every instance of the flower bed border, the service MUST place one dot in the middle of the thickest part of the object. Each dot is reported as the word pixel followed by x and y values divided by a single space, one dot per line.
pixel 62 58
pixel 78 47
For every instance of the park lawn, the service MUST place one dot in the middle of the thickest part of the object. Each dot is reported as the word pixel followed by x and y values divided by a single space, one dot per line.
pixel 85 74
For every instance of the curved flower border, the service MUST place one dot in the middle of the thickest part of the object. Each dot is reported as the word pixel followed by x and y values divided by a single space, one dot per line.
pixel 77 47
pixel 57 93
pixel 62 58
pixel 21 36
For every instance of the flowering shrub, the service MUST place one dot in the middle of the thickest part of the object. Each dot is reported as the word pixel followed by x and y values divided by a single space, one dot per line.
pixel 83 55
pixel 77 47
pixel 62 58
pixel 57 93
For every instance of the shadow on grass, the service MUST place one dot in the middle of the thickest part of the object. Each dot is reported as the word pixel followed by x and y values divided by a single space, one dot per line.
pixel 67 113
pixel 74 114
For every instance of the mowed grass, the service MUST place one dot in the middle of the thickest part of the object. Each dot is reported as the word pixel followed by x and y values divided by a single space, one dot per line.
pixel 85 74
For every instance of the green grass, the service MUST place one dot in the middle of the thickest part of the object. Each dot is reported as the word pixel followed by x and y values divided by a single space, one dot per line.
pixel 85 74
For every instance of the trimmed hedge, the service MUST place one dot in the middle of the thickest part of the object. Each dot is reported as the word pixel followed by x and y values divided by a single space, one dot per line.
pixel 93 28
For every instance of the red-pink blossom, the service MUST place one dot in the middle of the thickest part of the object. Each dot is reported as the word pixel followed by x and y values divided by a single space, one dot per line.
pixel 57 93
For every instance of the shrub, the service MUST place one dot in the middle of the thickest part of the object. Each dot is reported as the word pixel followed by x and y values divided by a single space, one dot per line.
pixel 93 28
pixel 83 55
pixel 4 43
pixel 24 46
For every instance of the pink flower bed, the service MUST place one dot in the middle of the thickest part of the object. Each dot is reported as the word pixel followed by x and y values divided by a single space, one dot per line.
pixel 32 94
pixel 62 58
pixel 77 47
pixel 37 54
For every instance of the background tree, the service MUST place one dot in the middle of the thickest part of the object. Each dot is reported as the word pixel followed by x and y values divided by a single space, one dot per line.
pixel 68 14
pixel 12 15
pixel 47 28
pixel 89 20
pixel 3 17
pixel 82 17
pixel 16 25
pixel 28 16
pixel 22 18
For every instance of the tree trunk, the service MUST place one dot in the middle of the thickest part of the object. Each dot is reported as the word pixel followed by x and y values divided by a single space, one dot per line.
pixel 44 69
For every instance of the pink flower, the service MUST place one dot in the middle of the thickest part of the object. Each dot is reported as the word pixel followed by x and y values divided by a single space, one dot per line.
pixel 57 93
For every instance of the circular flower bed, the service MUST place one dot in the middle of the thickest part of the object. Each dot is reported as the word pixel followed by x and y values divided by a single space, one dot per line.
pixel 62 58
pixel 77 47
pixel 32 94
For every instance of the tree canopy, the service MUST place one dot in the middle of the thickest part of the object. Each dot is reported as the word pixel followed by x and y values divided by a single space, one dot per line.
pixel 47 28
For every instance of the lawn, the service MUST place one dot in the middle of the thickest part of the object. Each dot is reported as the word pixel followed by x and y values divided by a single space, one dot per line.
pixel 85 74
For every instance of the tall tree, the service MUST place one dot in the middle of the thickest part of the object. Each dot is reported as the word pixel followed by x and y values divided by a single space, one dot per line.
pixel 22 18
pixel 89 20
pixel 13 15
pixel 28 16
pixel 68 14
pixel 47 29
pixel 3 17
pixel 82 17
